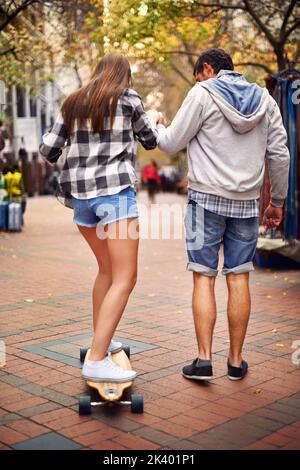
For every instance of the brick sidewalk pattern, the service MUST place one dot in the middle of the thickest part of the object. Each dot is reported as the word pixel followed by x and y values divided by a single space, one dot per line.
pixel 46 276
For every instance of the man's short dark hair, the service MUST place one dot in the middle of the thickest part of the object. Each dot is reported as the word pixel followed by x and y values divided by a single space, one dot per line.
pixel 217 58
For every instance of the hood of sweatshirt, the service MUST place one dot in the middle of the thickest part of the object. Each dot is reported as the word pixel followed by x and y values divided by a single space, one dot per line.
pixel 242 103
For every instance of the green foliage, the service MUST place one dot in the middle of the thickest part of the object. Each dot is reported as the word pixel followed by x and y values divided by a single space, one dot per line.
pixel 152 29
pixel 157 30
pixel 47 37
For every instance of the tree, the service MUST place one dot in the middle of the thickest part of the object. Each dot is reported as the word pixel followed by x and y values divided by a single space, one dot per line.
pixel 9 10
pixel 44 36
pixel 257 33
pixel 23 46
pixel 278 21
pixel 76 49
pixel 151 32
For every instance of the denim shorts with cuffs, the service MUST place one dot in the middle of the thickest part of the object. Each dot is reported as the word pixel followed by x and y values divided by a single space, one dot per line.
pixel 105 209
pixel 205 231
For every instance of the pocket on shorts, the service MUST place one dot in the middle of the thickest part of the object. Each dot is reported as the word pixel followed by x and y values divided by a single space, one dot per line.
pixel 246 229
pixel 214 227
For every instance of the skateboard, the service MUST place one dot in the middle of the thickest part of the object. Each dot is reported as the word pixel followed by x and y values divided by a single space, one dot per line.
pixel 111 392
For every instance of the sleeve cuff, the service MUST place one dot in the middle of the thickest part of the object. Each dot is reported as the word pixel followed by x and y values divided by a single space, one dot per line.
pixel 277 202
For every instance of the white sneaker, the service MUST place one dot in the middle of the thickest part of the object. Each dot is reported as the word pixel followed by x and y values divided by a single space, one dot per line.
pixel 114 347
pixel 106 371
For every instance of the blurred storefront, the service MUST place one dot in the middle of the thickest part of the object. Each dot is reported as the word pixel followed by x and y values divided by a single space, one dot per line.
pixel 28 114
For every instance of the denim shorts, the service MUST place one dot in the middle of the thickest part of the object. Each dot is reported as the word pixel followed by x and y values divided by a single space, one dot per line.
pixel 205 231
pixel 105 209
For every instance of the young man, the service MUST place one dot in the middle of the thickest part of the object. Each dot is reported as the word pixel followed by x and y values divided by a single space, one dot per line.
pixel 230 127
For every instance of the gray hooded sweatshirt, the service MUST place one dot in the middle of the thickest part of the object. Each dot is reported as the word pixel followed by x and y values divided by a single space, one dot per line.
pixel 230 126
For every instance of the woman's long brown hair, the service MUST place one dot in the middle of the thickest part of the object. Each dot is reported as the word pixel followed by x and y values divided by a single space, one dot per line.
pixel 98 99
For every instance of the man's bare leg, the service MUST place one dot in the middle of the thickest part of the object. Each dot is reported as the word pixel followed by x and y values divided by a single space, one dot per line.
pixel 238 310
pixel 204 311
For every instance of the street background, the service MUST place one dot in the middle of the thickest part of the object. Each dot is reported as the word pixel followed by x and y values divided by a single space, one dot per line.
pixel 46 276
pixel 47 50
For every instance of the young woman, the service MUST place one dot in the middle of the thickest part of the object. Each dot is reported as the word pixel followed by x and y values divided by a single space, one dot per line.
pixel 100 123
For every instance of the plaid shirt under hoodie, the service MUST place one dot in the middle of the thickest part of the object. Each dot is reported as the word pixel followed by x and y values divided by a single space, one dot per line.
pixel 225 207
pixel 103 163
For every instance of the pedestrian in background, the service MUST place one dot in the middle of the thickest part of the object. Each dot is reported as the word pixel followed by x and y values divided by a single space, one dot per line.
pixel 151 178
pixel 3 192
pixel 14 186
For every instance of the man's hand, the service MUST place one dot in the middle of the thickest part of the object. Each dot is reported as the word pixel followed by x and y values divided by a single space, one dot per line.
pixel 272 217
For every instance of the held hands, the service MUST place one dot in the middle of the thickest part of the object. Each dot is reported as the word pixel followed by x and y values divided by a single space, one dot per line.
pixel 155 117
pixel 272 217
pixel 160 119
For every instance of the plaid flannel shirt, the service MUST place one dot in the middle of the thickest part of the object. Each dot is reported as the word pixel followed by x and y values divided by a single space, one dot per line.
pixel 99 164
pixel 225 207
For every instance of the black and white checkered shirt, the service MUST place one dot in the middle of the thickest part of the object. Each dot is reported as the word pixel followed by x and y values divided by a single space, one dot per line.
pixel 225 207
pixel 99 164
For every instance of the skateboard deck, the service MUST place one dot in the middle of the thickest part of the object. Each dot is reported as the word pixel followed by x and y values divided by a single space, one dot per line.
pixel 112 391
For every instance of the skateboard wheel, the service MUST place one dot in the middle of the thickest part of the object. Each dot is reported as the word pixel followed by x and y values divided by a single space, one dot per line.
pixel 126 350
pixel 85 406
pixel 83 352
pixel 137 404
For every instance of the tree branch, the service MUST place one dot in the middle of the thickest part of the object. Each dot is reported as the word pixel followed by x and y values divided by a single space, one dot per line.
pixel 181 74
pixel 220 6
pixel 291 29
pixel 6 51
pixel 254 64
pixel 260 24
pixel 192 54
pixel 286 19
pixel 10 17
pixel 75 67
pixel 188 53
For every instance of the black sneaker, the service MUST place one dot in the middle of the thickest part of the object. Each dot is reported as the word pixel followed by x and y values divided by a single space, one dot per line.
pixel 237 373
pixel 200 369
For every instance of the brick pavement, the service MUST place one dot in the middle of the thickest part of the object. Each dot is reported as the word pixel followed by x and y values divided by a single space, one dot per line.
pixel 45 310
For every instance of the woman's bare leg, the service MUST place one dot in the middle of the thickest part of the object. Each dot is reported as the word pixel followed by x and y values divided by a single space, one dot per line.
pixel 104 278
pixel 122 252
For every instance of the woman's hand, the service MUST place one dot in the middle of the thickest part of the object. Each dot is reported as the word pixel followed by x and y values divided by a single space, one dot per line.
pixel 160 119
pixel 153 116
